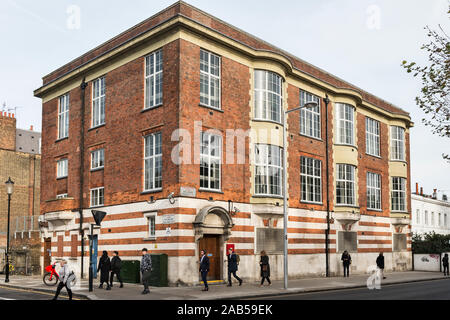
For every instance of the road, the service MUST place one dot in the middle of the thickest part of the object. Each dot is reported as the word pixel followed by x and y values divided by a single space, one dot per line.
pixel 23 294
pixel 427 290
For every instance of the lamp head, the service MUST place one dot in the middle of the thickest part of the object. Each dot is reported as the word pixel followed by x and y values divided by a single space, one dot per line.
pixel 310 104
pixel 9 186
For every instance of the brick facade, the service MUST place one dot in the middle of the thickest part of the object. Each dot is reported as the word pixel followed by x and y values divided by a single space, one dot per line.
pixel 126 228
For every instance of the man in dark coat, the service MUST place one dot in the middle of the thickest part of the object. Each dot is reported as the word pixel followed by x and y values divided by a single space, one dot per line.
pixel 104 267
pixel 232 267
pixel 204 268
pixel 146 269
pixel 380 264
pixel 445 264
pixel 346 261
pixel 116 265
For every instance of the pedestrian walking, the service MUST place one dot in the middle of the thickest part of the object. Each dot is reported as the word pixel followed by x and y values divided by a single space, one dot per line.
pixel 265 268
pixel 66 277
pixel 204 269
pixel 380 264
pixel 104 267
pixel 346 261
pixel 146 269
pixel 232 267
pixel 445 264
pixel 116 265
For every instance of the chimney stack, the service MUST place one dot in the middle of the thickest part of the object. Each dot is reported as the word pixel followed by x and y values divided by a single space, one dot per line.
pixel 417 188
pixel 31 128
pixel 421 191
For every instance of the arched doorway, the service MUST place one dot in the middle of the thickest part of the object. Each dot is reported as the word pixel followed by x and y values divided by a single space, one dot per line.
pixel 212 228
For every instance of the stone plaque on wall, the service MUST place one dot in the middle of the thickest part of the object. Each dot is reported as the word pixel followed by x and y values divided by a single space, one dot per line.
pixel 188 192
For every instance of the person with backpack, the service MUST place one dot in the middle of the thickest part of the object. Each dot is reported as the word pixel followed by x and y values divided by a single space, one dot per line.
pixel 233 261
pixel 445 264
pixel 104 267
pixel 116 265
pixel 265 268
pixel 67 278
pixel 346 261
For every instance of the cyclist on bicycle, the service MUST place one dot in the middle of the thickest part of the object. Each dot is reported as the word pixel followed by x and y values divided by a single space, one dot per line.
pixel 67 277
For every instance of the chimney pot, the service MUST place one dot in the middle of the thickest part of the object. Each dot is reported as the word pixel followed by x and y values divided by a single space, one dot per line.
pixel 417 188
pixel 421 191
pixel 31 128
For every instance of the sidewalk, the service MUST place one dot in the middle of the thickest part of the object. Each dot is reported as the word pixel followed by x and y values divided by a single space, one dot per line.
pixel 220 292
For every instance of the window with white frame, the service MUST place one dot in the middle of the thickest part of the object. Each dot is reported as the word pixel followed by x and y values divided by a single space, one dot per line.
pixel 62 168
pixel 432 218
pixel 62 196
pixel 63 116
pixel 426 217
pixel 373 191
pixel 372 137
pixel 154 79
pixel 398 194
pixel 268 96
pixel 439 219
pixel 151 223
pixel 268 170
pixel 210 160
pixel 418 216
pixel 98 102
pixel 397 143
pixel 345 185
pixel 210 79
pixel 153 162
pixel 310 116
pixel 345 121
pixel 97 159
pixel 445 220
pixel 311 180
pixel 97 197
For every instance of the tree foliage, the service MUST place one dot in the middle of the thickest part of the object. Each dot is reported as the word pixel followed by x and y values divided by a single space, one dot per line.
pixel 434 98
pixel 430 243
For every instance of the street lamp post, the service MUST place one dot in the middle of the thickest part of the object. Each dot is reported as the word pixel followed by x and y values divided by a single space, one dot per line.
pixel 9 191
pixel 327 232
pixel 285 214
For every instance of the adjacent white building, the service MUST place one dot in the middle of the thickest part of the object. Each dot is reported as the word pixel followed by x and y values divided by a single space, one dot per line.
pixel 430 213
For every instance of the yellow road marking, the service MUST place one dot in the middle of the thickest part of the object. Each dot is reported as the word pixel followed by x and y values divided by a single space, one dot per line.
pixel 35 291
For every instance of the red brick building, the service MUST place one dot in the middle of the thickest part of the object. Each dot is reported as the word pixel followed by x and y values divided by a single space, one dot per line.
pixel 178 122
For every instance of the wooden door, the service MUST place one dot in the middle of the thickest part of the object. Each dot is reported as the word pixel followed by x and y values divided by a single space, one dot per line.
pixel 47 251
pixel 211 243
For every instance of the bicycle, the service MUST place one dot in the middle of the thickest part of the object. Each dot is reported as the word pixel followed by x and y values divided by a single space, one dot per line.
pixel 51 277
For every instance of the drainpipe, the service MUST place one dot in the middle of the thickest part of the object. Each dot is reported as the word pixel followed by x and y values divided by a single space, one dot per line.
pixel 83 89
pixel 327 233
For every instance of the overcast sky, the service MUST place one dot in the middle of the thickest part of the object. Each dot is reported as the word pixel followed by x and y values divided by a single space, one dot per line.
pixel 362 42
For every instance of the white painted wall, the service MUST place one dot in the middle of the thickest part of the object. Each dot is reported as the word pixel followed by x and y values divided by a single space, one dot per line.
pixel 427 262
pixel 422 206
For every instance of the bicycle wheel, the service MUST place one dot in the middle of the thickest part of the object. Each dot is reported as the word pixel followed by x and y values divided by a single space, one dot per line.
pixel 50 282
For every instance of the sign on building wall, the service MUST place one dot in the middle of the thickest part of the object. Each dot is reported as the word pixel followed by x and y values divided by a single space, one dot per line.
pixel 168 219
pixel 188 192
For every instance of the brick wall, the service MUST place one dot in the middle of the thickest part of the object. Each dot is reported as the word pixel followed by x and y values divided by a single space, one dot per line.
pixel 8 131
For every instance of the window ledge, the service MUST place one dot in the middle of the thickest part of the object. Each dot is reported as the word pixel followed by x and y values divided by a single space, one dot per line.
pixel 310 137
pixel 62 178
pixel 211 108
pixel 401 161
pixel 268 196
pixel 311 202
pixel 372 155
pixel 268 120
pixel 346 145
pixel 151 191
pixel 374 210
pixel 151 108
pixel 346 206
pixel 210 190
pixel 97 127
pixel 97 207
pixel 97 169
pixel 61 139
pixel 150 239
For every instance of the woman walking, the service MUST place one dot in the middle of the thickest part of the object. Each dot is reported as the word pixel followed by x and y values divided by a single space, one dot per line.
pixel 66 277
pixel 265 268
pixel 104 267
